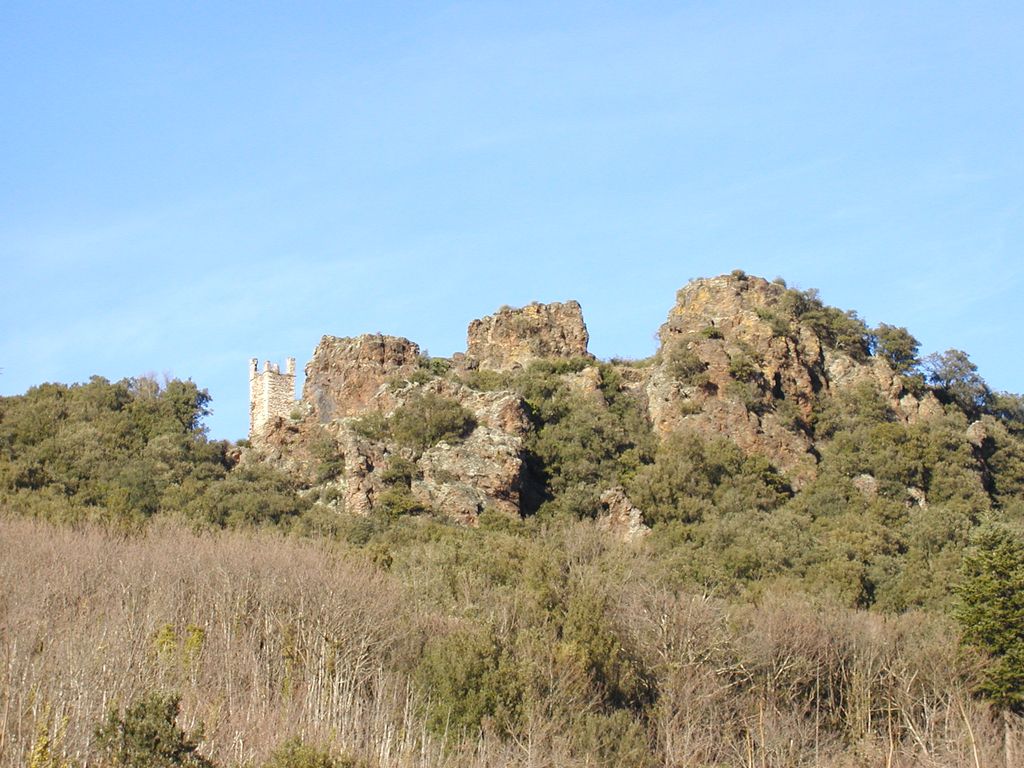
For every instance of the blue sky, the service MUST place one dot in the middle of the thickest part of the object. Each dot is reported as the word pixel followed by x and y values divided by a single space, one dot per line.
pixel 184 186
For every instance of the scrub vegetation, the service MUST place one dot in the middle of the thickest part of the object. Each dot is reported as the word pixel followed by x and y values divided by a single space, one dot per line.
pixel 162 604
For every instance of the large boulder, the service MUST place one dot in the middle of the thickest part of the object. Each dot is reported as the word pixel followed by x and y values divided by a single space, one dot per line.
pixel 620 516
pixel 346 374
pixel 846 373
pixel 463 479
pixel 511 338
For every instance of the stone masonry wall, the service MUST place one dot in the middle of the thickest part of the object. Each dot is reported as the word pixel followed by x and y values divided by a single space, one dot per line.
pixel 271 393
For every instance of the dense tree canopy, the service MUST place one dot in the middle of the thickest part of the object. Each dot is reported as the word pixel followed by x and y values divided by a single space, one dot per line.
pixel 125 451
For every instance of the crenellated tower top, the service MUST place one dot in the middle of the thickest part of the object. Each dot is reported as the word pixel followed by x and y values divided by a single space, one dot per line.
pixel 271 393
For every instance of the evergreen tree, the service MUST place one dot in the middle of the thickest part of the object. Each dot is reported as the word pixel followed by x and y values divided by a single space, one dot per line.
pixel 897 346
pixel 991 611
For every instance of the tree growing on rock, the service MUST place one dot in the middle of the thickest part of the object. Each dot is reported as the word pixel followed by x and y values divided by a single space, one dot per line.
pixel 897 347
pixel 956 377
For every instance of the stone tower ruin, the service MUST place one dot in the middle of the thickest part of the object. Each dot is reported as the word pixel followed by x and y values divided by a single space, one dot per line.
pixel 271 393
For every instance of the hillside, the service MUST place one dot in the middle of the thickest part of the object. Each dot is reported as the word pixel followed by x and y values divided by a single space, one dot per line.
pixel 785 539
pixel 770 435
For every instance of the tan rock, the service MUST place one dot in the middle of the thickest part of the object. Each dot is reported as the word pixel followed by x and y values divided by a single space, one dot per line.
pixel 586 383
pixel 511 338
pixel 359 485
pixel 727 321
pixel 977 433
pixel 621 517
pixel 346 374
pixel 462 479
pixel 867 485
pixel 500 409
pixel 844 372
pixel 916 497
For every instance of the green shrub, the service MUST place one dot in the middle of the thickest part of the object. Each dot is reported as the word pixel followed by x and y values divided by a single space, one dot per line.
pixel 466 676
pixel 330 460
pixel 688 407
pixel 749 394
pixel 484 380
pixel 250 495
pixel 397 501
pixel 436 366
pixel 105 450
pixel 692 478
pixel 897 347
pixel 991 611
pixel 615 740
pixel 685 366
pixel 843 331
pixel 743 368
pixel 790 415
pixel 427 419
pixel 583 445
pixel 147 736
pixel 372 426
pixel 399 471
pixel 294 753
pixel 780 325
pixel 420 376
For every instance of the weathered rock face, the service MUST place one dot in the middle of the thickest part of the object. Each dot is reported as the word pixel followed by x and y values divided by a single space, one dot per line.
pixel 501 409
pixel 724 371
pixel 621 517
pixel 740 358
pixel 730 318
pixel 285 444
pixel 358 484
pixel 349 378
pixel 513 337
pixel 486 470
pixel 346 374
pixel 736 361
pixel 844 373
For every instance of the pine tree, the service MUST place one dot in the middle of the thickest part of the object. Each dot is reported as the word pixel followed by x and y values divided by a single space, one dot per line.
pixel 991 614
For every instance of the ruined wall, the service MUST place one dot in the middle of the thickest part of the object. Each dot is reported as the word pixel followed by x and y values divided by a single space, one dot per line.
pixel 271 393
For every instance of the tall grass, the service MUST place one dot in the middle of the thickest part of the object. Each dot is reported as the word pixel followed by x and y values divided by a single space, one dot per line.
pixel 268 637
pixel 264 637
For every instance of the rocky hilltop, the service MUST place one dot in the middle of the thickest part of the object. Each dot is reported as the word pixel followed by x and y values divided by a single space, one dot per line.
pixel 382 427
pixel 511 338
pixel 345 375
pixel 749 360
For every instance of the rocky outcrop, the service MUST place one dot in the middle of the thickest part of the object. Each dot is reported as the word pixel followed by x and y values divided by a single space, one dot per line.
pixel 740 358
pixel 462 479
pixel 621 517
pixel 844 373
pixel 735 320
pixel 349 379
pixel 500 409
pixel 358 484
pixel 511 338
pixel 287 445
pixel 724 369
pixel 345 374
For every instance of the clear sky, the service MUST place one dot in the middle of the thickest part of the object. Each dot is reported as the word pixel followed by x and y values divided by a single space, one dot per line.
pixel 184 186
